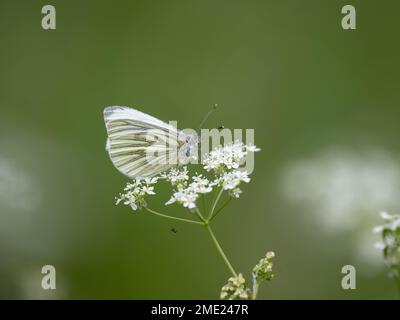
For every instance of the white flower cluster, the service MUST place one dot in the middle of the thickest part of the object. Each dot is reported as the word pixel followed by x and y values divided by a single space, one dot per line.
pixel 390 244
pixel 235 289
pixel 135 192
pixel 231 180
pixel 227 157
pixel 224 162
pixel 187 193
pixel 177 177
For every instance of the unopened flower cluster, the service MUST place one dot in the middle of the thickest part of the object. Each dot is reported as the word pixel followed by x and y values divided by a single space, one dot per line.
pixel 263 269
pixel 390 244
pixel 235 289
pixel 223 164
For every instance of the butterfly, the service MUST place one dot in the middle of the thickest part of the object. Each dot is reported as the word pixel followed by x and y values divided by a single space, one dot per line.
pixel 142 146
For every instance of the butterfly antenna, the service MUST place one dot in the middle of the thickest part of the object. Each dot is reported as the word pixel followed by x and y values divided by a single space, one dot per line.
pixel 215 106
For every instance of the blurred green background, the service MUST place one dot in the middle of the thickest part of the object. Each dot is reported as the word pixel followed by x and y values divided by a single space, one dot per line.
pixel 324 103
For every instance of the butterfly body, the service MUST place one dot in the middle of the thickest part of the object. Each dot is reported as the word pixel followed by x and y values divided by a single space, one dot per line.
pixel 141 146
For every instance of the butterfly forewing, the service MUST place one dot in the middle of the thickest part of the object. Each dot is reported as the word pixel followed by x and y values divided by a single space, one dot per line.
pixel 140 145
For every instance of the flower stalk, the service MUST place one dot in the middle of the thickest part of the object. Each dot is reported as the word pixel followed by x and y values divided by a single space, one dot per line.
pixel 221 252
pixel 171 217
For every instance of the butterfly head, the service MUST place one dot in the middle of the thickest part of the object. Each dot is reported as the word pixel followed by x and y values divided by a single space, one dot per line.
pixel 189 149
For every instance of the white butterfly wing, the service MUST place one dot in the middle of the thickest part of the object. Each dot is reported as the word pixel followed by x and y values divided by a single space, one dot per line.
pixel 140 145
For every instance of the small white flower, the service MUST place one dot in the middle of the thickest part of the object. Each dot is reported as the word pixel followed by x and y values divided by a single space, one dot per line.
pixel 379 245
pixel 177 176
pixel 251 148
pixel 395 224
pixel 377 229
pixel 187 194
pixel 385 216
pixel 186 197
pixel 235 193
pixel 148 190
pixel 242 176
pixel 130 186
pixel 200 185
pixel 150 181
pixel 134 206
pixel 231 180
pixel 392 222
pixel 135 193
pixel 226 158
pixel 190 201
pixel 171 200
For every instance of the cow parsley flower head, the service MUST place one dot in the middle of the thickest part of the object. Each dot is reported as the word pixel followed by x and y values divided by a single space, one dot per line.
pixel 200 184
pixel 185 196
pixel 134 193
pixel 231 180
pixel 177 176
pixel 227 157
pixel 188 193
pixel 390 244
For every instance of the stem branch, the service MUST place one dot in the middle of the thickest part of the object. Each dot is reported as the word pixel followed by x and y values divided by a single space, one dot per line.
pixel 220 209
pixel 198 213
pixel 171 217
pixel 215 203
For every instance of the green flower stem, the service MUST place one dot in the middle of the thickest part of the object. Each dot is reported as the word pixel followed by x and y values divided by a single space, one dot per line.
pixel 215 203
pixel 220 250
pixel 198 213
pixel 205 223
pixel 255 289
pixel 220 209
pixel 203 200
pixel 171 217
